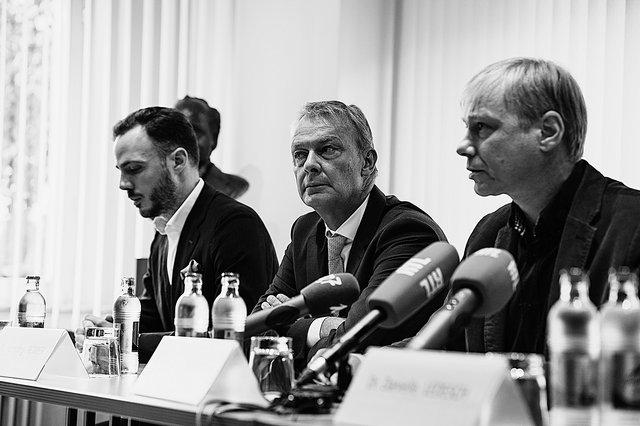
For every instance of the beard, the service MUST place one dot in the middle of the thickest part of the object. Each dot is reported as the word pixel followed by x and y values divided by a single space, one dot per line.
pixel 163 196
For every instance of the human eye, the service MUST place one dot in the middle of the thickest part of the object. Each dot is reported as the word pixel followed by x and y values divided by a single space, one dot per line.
pixel 480 130
pixel 299 157
pixel 133 169
pixel 329 151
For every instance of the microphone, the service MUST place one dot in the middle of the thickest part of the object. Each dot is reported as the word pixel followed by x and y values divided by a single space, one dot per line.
pixel 403 293
pixel 480 287
pixel 322 297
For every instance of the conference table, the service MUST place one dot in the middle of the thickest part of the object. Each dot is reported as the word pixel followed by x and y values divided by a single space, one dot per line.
pixel 114 396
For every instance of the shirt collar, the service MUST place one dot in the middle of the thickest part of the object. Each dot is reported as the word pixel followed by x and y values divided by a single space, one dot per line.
pixel 350 226
pixel 176 222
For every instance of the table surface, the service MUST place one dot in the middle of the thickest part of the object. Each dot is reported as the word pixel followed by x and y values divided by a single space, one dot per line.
pixel 114 395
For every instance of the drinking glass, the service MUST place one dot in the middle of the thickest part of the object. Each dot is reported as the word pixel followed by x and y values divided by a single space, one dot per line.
pixel 527 370
pixel 271 359
pixel 101 351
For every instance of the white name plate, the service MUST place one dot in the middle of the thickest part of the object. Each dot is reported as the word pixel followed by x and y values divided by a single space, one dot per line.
pixel 31 353
pixel 404 387
pixel 196 370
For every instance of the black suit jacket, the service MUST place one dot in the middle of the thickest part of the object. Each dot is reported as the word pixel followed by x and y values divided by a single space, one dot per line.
pixel 222 235
pixel 391 232
pixel 602 230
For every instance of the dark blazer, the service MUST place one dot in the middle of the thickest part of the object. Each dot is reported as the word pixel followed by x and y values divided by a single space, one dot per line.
pixel 222 235
pixel 602 230
pixel 391 232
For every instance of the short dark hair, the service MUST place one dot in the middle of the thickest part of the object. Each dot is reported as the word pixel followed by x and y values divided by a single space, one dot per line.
pixel 201 108
pixel 530 87
pixel 167 128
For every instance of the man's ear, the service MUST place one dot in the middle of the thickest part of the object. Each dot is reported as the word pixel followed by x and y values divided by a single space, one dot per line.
pixel 370 159
pixel 552 131
pixel 178 159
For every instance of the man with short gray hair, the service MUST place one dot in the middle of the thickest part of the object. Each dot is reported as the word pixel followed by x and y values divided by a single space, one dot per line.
pixel 354 227
pixel 526 121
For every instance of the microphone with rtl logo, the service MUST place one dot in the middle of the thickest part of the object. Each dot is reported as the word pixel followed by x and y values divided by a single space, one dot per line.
pixel 322 297
pixel 402 294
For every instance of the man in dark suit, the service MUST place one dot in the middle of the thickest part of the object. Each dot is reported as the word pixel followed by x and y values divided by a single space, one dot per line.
pixel 527 121
pixel 354 227
pixel 157 155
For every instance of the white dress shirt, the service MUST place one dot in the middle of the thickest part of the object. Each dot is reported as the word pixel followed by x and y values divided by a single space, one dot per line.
pixel 172 228
pixel 348 229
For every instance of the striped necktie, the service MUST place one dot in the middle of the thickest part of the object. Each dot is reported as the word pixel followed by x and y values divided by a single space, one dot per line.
pixel 335 245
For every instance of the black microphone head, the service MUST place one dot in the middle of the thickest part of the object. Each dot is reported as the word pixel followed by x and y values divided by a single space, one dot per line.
pixel 492 274
pixel 414 283
pixel 330 293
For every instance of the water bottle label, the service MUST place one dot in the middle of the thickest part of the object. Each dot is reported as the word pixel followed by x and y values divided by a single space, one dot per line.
pixel 624 374
pixel 31 319
pixel 129 336
pixel 228 334
pixel 573 380
pixel 190 323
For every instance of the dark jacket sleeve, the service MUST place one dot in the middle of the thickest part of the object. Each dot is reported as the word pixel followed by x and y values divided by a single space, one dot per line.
pixel 242 245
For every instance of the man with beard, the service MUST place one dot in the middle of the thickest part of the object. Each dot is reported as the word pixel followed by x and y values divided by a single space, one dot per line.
pixel 157 155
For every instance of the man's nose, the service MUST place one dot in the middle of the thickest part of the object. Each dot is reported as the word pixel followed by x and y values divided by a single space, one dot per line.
pixel 466 148
pixel 311 163
pixel 125 183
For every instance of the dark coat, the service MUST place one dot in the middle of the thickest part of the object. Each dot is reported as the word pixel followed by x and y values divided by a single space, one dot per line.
pixel 390 233
pixel 222 235
pixel 602 230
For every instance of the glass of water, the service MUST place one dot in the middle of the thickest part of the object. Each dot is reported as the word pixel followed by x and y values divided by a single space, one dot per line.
pixel 101 351
pixel 271 359
pixel 527 370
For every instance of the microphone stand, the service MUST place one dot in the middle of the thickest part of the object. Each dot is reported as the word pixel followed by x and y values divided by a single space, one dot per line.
pixel 342 347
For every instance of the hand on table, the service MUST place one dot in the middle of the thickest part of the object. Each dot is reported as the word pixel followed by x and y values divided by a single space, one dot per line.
pixel 91 321
pixel 272 301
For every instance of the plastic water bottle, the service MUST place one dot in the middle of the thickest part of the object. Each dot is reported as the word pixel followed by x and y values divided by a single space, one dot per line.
pixel 620 359
pixel 32 309
pixel 126 313
pixel 229 311
pixel 192 309
pixel 573 346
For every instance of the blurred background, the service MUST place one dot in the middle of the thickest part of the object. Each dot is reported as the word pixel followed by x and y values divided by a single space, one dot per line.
pixel 69 69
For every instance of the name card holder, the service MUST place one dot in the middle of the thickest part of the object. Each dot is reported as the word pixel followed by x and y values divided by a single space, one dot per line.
pixel 32 353
pixel 196 370
pixel 394 386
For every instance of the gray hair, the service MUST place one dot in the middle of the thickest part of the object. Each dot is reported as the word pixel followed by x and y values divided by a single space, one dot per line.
pixel 348 117
pixel 531 87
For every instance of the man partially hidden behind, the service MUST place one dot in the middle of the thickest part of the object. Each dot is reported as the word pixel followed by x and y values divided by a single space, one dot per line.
pixel 527 121
pixel 206 123
pixel 354 227
pixel 157 155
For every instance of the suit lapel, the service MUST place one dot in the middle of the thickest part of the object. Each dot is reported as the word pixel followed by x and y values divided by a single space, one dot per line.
pixel 188 241
pixel 578 233
pixel 367 229
pixel 317 253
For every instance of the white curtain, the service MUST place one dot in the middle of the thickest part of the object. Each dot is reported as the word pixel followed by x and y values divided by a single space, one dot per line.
pixel 404 62
pixel 108 58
